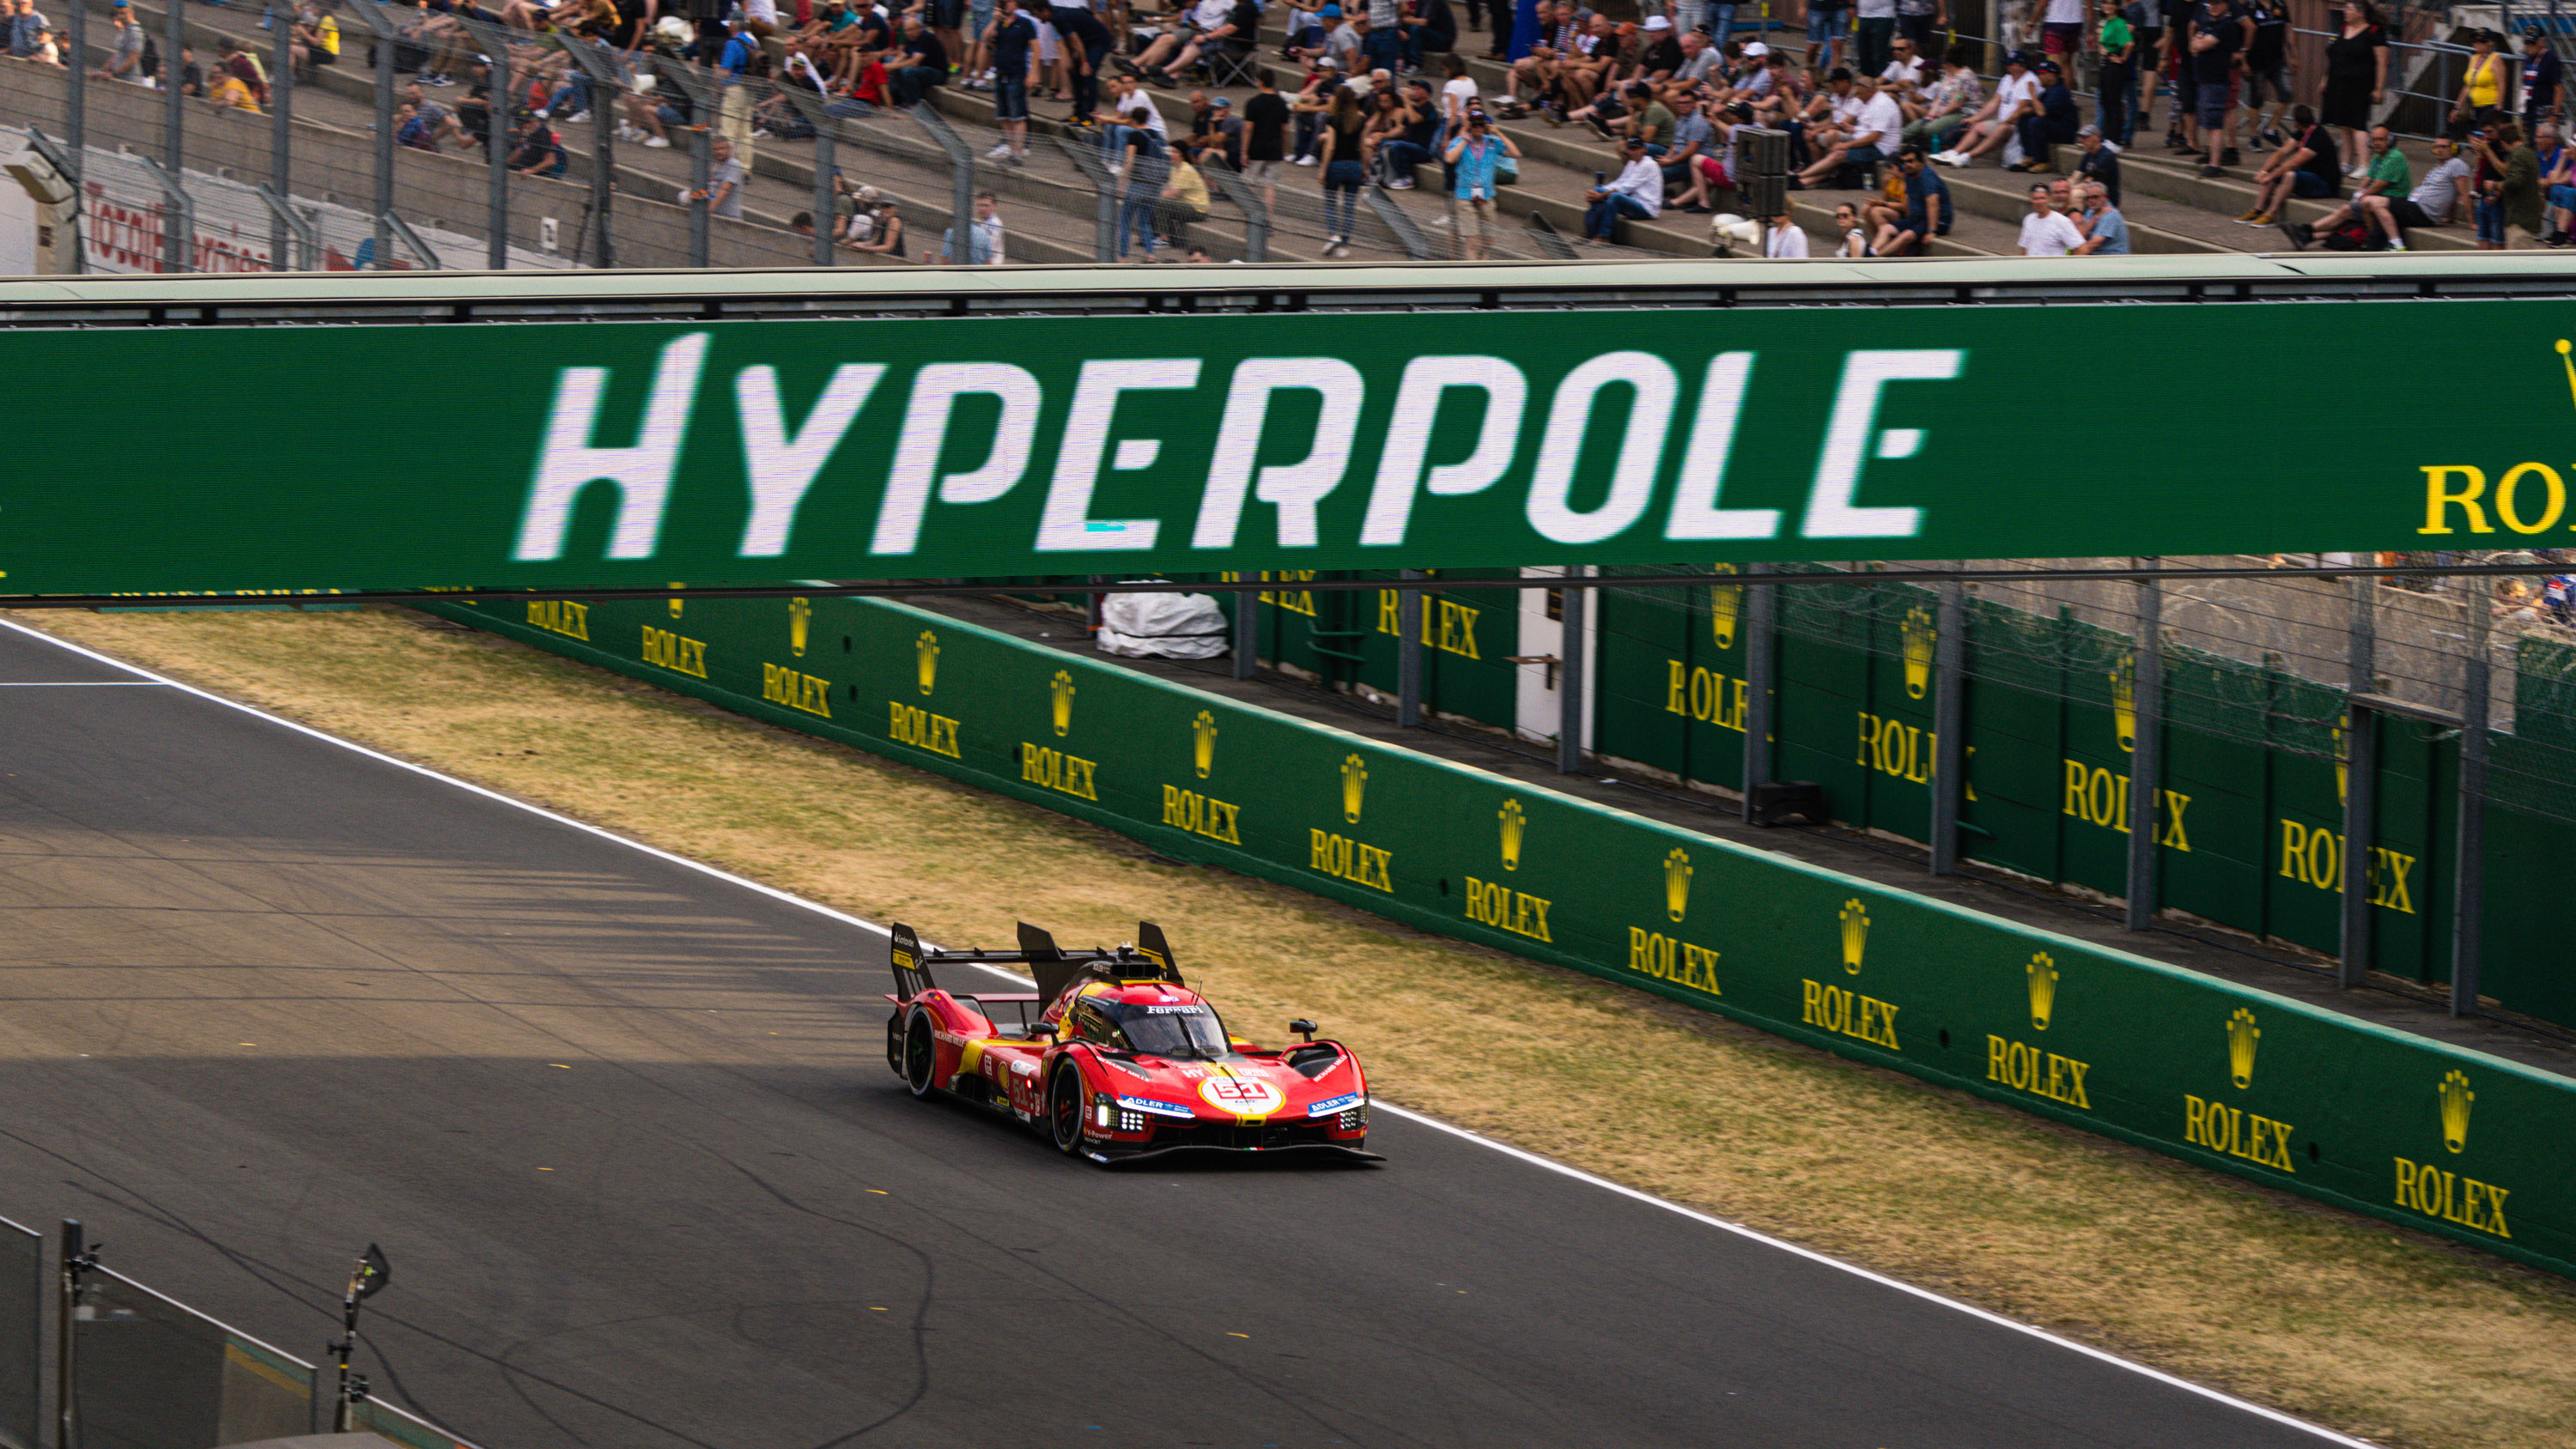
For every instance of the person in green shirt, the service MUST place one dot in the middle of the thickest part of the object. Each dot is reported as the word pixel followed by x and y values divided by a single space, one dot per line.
pixel 2118 72
pixel 2389 174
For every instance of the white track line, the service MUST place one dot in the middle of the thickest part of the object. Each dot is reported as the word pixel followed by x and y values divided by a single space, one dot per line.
pixel 1533 1159
pixel 82 684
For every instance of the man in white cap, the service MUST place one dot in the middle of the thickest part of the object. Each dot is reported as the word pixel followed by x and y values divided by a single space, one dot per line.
pixel 1661 56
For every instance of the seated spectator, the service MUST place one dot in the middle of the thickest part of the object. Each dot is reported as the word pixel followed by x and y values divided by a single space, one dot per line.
pixel 920 66
pixel 2306 166
pixel 1947 103
pixel 1927 209
pixel 884 233
pixel 2052 122
pixel 1637 194
pixel 1850 238
pixel 2099 163
pixel 2106 232
pixel 2046 232
pixel 539 151
pixel 1784 241
pixel 1693 150
pixel 1876 132
pixel 2016 97
pixel 2433 202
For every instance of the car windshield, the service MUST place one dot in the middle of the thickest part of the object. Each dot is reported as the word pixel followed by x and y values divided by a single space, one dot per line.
pixel 1178 1030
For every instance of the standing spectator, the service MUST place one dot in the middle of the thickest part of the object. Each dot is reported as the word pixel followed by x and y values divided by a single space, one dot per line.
pixel 2517 191
pixel 2051 124
pixel 1636 193
pixel 124 47
pixel 1085 44
pixel 2481 97
pixel 2100 163
pixel 2062 30
pixel 2541 72
pixel 1008 40
pixel 1265 132
pixel 983 240
pixel 2106 232
pixel 1148 170
pixel 1476 158
pixel 2267 71
pixel 1341 171
pixel 724 181
pixel 1875 28
pixel 1828 22
pixel 2217 36
pixel 1919 20
pixel 2117 76
pixel 2046 233
pixel 2306 167
pixel 1784 240
pixel 2356 76
pixel 26 27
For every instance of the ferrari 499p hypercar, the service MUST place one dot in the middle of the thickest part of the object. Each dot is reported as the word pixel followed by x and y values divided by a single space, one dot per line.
pixel 1122 1062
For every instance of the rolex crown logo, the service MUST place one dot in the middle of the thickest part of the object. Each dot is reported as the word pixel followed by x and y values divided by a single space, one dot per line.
pixel 1061 699
pixel 1725 609
pixel 800 620
pixel 926 658
pixel 1354 786
pixel 2456 1098
pixel 2124 702
pixel 1515 822
pixel 1203 743
pixel 2043 989
pixel 1855 934
pixel 1677 878
pixel 676 600
pixel 2343 758
pixel 2242 1034
pixel 1920 636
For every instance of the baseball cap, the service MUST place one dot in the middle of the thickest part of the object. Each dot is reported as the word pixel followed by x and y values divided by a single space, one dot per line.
pixel 1331 12
pixel 1219 103
pixel 1657 22
pixel 2020 58
pixel 2049 65
pixel 1757 48
pixel 2087 129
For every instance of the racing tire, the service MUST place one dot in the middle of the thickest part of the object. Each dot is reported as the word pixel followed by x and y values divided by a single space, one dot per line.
pixel 1064 1109
pixel 920 1055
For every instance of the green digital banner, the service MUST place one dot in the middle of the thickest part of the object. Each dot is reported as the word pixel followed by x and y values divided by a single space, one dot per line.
pixel 606 454
pixel 2417 1132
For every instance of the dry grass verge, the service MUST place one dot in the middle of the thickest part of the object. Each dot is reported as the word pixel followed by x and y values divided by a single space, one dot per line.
pixel 2391 1335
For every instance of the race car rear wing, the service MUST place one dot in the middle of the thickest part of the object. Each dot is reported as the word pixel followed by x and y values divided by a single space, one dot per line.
pixel 1149 959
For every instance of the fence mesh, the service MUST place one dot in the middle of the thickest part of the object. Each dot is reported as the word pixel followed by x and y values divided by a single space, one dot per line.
pixel 24 1288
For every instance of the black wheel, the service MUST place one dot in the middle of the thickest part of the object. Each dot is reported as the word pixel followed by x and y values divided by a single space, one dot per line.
pixel 1064 1108
pixel 920 1054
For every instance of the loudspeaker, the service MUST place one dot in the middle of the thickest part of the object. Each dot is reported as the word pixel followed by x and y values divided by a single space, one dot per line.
pixel 1762 171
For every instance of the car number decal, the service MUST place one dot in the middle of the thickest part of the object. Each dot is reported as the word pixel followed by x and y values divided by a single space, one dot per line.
pixel 1243 1096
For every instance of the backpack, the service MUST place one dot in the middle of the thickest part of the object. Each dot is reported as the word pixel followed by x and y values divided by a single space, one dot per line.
pixel 150 64
pixel 2352 236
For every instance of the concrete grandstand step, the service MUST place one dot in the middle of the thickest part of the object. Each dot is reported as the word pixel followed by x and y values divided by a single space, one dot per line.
pixel 2005 196
pixel 2177 179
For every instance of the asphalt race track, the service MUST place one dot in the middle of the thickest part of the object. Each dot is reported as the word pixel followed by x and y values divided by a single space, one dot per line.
pixel 625 1129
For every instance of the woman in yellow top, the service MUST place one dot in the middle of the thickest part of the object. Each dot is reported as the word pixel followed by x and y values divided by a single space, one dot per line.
pixel 2481 98
pixel 225 92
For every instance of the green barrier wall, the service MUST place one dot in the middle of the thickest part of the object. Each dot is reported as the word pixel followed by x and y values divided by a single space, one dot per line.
pixel 2439 1138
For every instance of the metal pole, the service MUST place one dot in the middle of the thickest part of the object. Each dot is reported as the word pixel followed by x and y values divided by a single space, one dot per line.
pixel 2146 760
pixel 1761 638
pixel 1408 653
pixel 1569 680
pixel 281 141
pixel 603 166
pixel 827 173
pixel 2360 783
pixel 701 172
pixel 961 203
pixel 496 141
pixel 174 240
pixel 2468 875
pixel 347 1344
pixel 75 1261
pixel 385 48
pixel 1949 717
pixel 1247 635
pixel 76 125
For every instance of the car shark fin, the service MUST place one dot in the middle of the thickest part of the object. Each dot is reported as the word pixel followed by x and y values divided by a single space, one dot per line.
pixel 1151 945
pixel 1046 963
pixel 903 957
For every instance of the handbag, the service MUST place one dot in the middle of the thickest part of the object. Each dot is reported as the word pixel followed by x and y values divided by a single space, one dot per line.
pixel 1507 170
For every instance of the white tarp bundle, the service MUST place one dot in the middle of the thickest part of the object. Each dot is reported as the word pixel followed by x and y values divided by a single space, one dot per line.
pixel 1175 626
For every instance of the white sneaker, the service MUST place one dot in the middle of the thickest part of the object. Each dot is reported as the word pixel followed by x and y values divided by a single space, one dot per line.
pixel 1117 168
pixel 1440 221
pixel 656 143
pixel 1000 150
pixel 1399 184
pixel 1305 160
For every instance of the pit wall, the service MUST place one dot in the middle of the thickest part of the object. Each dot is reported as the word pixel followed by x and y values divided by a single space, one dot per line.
pixel 2432 1136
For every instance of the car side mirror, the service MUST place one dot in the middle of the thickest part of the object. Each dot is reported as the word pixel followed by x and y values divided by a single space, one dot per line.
pixel 1304 1028
pixel 1042 1029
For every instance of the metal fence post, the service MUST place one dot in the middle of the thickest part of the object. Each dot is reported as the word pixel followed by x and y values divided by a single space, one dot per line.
pixel 1408 652
pixel 1761 639
pixel 76 126
pixel 827 172
pixel 1085 155
pixel 176 243
pixel 1247 633
pixel 496 147
pixel 1569 678
pixel 2468 872
pixel 281 141
pixel 179 217
pixel 706 101
pixel 75 1256
pixel 372 12
pixel 2146 759
pixel 1949 717
pixel 2360 782
pixel 961 182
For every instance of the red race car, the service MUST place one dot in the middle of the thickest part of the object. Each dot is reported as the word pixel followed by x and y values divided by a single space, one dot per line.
pixel 1123 1062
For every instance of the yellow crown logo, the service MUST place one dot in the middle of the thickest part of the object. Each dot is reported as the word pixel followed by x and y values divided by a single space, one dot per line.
pixel 1725 608
pixel 1515 823
pixel 2242 1034
pixel 676 601
pixel 1920 636
pixel 2043 989
pixel 1677 876
pixel 2343 758
pixel 800 619
pixel 1203 743
pixel 1855 934
pixel 2124 702
pixel 1354 786
pixel 2456 1098
pixel 925 651
pixel 1061 691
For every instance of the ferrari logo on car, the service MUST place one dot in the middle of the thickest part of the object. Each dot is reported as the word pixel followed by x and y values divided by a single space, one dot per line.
pixel 1243 1096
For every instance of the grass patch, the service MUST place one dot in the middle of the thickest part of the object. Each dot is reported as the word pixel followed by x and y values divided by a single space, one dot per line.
pixel 2385 1333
